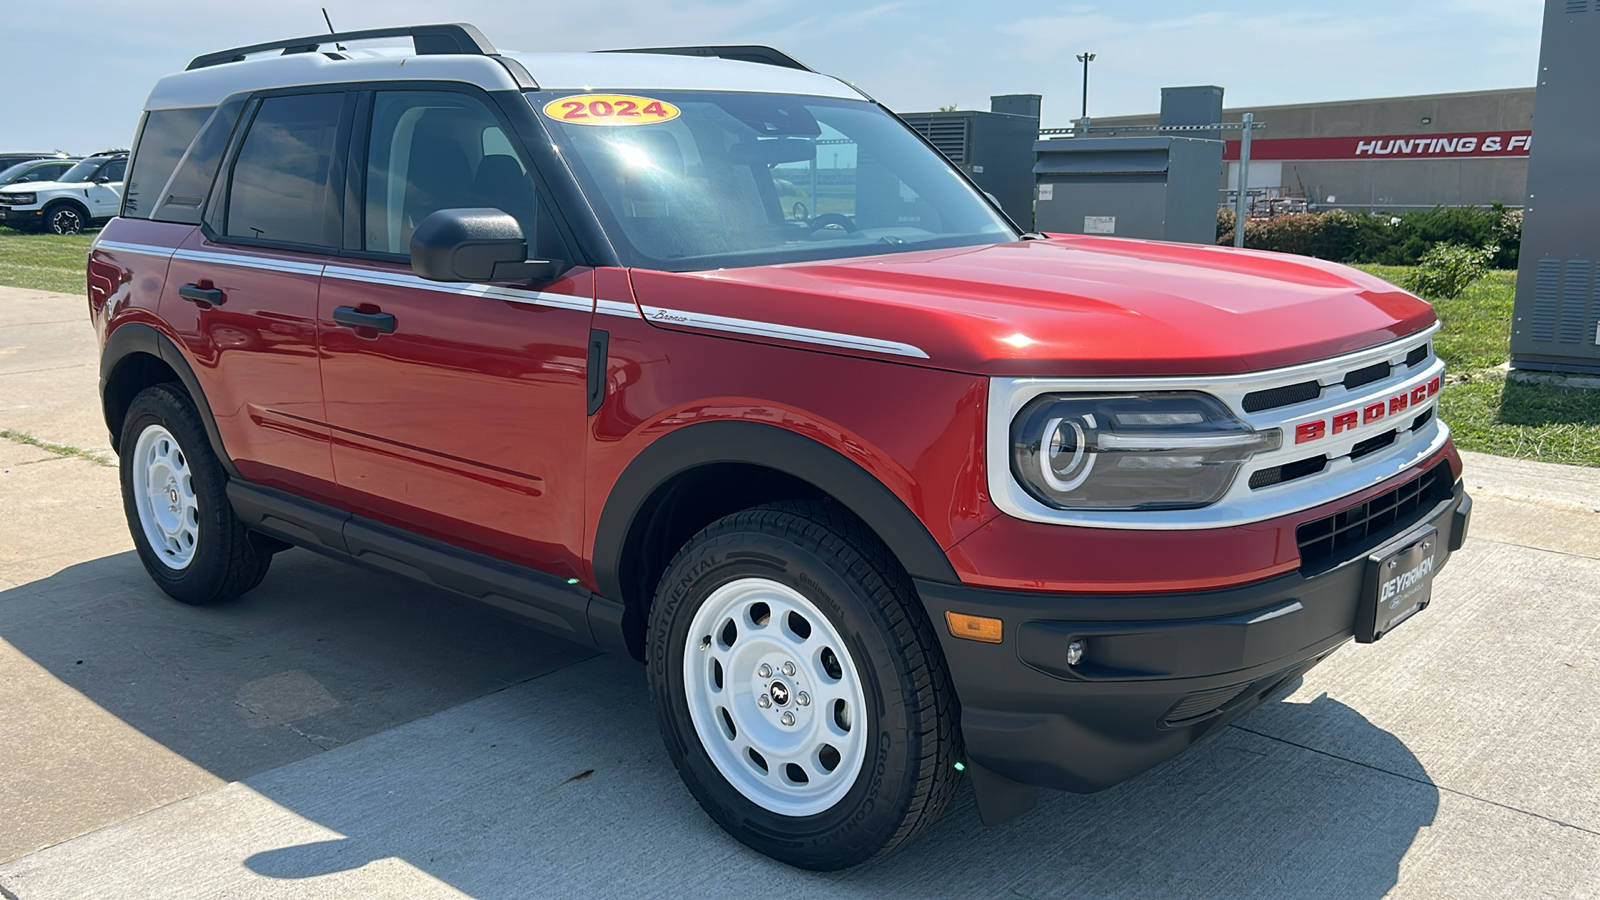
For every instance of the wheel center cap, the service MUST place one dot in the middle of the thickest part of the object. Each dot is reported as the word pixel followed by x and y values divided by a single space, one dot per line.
pixel 172 494
pixel 779 692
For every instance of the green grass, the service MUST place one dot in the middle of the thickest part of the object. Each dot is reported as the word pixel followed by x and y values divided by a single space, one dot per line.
pixel 47 262
pixel 1487 411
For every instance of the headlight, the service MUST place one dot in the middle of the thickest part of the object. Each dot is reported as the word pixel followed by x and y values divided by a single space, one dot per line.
pixel 1176 450
pixel 18 199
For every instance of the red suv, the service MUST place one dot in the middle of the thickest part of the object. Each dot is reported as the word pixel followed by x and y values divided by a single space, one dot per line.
pixel 701 356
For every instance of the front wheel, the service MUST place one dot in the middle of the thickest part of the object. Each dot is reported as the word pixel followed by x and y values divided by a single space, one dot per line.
pixel 799 686
pixel 174 492
pixel 65 219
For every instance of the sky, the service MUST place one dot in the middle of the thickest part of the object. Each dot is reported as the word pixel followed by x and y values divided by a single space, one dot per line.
pixel 76 80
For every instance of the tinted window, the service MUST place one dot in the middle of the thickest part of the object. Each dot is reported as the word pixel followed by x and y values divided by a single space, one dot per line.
pixel 114 170
pixel 163 137
pixel 185 192
pixel 433 150
pixel 84 171
pixel 282 184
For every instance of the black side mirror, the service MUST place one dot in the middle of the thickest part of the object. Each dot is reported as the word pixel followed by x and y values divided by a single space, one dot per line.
pixel 102 180
pixel 478 244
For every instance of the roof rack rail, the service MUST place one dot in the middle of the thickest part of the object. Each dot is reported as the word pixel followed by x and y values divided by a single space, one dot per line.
pixel 428 40
pixel 751 53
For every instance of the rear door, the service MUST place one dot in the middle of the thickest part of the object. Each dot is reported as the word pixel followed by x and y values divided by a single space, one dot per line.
pixel 466 420
pixel 270 225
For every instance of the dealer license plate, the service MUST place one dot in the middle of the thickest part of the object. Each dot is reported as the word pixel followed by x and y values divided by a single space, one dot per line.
pixel 1399 584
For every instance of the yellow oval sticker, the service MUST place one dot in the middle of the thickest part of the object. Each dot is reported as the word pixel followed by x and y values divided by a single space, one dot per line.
pixel 610 109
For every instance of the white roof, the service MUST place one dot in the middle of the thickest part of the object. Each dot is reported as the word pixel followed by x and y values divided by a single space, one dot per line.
pixel 634 72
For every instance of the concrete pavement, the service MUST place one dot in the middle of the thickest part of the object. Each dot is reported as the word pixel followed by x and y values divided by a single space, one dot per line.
pixel 339 733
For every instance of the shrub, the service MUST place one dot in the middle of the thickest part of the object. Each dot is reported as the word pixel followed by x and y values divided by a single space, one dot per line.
pixel 1395 240
pixel 1445 270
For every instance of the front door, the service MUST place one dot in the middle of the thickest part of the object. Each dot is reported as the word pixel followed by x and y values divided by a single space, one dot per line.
pixel 462 415
pixel 105 192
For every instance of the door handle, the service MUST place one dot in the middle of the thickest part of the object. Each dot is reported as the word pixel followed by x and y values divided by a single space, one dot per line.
pixel 350 317
pixel 197 294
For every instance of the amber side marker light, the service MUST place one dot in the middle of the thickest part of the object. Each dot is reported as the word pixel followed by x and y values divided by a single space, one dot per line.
pixel 973 628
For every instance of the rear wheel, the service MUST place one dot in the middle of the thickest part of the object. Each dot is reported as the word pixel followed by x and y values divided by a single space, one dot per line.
pixel 174 493
pixel 799 686
pixel 65 218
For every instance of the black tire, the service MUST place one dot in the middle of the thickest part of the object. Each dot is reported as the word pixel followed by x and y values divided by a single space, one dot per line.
pixel 225 562
pixel 66 218
pixel 912 737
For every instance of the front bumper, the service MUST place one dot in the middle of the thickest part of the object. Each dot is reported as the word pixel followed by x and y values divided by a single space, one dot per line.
pixel 20 215
pixel 1161 671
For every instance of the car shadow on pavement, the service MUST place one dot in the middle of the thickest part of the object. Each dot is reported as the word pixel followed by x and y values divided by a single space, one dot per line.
pixel 557 785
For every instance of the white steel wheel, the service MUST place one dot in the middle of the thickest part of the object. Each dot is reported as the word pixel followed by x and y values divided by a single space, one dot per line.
pixel 775 697
pixel 163 491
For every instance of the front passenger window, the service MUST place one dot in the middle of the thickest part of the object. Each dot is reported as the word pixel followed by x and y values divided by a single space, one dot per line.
pixel 433 150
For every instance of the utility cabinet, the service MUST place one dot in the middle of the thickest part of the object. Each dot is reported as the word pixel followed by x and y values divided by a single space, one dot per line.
pixel 995 148
pixel 1158 187
pixel 1556 319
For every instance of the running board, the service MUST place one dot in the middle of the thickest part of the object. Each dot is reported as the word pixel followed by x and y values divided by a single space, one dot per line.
pixel 540 599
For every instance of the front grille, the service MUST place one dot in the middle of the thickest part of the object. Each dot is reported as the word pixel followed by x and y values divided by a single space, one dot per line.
pixel 1419 421
pixel 1202 703
pixel 1289 394
pixel 1300 468
pixel 1373 444
pixel 1366 376
pixel 1336 538
pixel 1420 354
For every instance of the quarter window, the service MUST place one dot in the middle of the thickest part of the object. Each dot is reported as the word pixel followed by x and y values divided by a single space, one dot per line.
pixel 282 185
pixel 163 137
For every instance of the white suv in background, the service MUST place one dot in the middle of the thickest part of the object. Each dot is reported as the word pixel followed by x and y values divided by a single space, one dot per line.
pixel 87 194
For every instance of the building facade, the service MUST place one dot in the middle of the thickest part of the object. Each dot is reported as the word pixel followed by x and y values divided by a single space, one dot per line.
pixel 1396 153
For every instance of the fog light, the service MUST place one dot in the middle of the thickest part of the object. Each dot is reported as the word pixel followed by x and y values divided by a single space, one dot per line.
pixel 1074 653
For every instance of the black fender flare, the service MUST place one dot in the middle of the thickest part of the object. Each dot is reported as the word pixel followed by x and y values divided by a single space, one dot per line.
pixel 771 447
pixel 134 338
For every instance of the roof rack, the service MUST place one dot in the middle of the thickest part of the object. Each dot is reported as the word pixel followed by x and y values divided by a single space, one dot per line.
pixel 428 40
pixel 751 53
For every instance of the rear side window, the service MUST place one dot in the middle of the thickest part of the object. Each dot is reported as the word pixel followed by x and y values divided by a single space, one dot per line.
pixel 163 137
pixel 183 196
pixel 433 150
pixel 282 184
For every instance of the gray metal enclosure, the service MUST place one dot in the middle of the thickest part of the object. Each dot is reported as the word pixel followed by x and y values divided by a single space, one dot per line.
pixel 995 148
pixel 1158 187
pixel 1556 322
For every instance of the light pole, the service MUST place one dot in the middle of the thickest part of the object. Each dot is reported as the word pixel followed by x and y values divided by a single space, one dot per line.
pixel 1086 58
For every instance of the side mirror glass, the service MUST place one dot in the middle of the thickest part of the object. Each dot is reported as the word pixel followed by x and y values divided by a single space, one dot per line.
pixel 475 244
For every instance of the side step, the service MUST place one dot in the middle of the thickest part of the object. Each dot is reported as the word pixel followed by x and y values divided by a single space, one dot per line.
pixel 541 599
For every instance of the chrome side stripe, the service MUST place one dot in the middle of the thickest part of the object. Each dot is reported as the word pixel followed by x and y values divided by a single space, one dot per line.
pixel 462 288
pixel 290 266
pixel 660 315
pixel 617 308
pixel 794 333
pixel 141 249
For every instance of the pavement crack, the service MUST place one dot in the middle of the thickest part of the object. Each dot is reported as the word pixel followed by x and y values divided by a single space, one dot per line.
pixel 1567 553
pixel 1422 781
pixel 22 437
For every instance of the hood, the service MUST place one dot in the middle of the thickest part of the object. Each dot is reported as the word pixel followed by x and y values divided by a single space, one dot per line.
pixel 1064 306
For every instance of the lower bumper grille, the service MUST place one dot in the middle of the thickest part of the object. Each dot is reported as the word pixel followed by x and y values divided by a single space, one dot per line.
pixel 1335 538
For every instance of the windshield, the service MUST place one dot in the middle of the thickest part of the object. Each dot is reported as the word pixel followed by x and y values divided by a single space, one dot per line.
pixel 17 171
pixel 685 181
pixel 83 171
